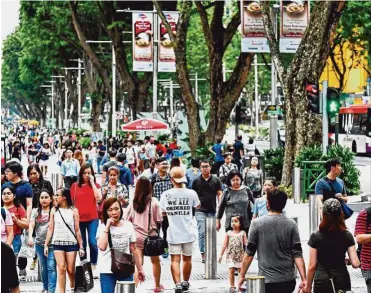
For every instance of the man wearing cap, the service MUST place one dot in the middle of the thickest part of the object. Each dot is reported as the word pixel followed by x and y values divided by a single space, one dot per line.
pixel 177 204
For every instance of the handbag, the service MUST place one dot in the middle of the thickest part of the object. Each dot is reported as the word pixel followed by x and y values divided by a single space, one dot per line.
pixel 122 264
pixel 347 211
pixel 26 251
pixel 154 245
pixel 84 281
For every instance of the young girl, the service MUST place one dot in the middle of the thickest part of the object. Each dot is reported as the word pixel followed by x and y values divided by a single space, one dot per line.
pixel 40 222
pixel 64 231
pixel 19 217
pixel 235 241
pixel 260 205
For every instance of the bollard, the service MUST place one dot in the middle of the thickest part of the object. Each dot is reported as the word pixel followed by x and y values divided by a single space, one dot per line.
pixel 296 184
pixel 210 248
pixel 255 284
pixel 313 214
pixel 55 181
pixel 125 287
pixel 273 134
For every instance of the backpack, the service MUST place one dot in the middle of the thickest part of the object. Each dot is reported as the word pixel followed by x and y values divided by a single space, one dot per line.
pixel 123 175
pixel 3 213
pixel 368 222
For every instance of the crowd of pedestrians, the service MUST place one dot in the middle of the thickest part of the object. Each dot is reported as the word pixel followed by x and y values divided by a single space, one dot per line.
pixel 145 190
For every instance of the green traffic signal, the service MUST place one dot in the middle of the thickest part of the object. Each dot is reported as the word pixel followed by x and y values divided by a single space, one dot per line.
pixel 333 106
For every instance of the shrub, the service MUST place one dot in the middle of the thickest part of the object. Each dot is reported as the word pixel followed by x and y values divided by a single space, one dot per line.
pixel 274 162
pixel 309 153
pixel 84 141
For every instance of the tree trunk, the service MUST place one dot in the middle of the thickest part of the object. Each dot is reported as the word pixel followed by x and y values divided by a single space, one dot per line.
pixel 302 126
pixel 95 113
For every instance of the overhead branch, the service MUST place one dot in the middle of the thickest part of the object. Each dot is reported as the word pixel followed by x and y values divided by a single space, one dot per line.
pixel 231 29
pixel 205 25
pixel 273 43
pixel 165 23
pixel 216 25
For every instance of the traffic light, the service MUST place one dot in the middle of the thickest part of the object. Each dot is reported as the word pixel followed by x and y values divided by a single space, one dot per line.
pixel 313 97
pixel 333 101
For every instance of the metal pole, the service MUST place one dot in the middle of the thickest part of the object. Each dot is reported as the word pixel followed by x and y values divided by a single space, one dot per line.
pixel 114 116
pixel 296 184
pixel 273 131
pixel 255 284
pixel 196 87
pixel 313 213
pixel 235 120
pixel 256 97
pixel 79 95
pixel 171 105
pixel 337 129
pixel 155 61
pixel 125 287
pixel 210 248
pixel 53 124
pixel 65 101
pixel 273 71
pixel 224 72
pixel 324 118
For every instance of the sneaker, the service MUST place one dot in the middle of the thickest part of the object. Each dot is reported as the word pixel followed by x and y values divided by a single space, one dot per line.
pixel 203 257
pixel 33 264
pixel 185 286
pixel 178 288
pixel 22 275
pixel 159 289
pixel 166 254
pixel 232 290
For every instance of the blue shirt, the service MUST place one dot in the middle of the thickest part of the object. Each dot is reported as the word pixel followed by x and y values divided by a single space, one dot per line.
pixel 23 190
pixel 260 207
pixel 323 187
pixel 70 168
pixel 191 176
pixel 218 149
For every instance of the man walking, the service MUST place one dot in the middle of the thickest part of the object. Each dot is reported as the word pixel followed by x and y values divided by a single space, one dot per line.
pixel 209 191
pixel 112 162
pixel 70 169
pixel 177 204
pixel 101 149
pixel 276 239
pixel 363 237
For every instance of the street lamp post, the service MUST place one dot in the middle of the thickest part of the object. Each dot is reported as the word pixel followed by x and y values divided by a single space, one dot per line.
pixel 65 90
pixel 256 97
pixel 52 95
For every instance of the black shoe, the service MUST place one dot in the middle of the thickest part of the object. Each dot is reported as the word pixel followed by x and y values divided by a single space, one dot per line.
pixel 178 288
pixel 185 286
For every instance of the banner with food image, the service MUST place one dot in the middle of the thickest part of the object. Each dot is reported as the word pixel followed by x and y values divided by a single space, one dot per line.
pixel 253 34
pixel 294 22
pixel 166 55
pixel 142 41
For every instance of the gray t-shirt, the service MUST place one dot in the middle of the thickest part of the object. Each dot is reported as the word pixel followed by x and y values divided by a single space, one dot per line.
pixel 41 225
pixel 277 240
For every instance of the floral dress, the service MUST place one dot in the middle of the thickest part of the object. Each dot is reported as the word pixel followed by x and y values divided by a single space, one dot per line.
pixel 235 249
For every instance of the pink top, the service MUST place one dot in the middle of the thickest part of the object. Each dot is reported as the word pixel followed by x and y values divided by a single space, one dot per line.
pixel 8 222
pixel 140 221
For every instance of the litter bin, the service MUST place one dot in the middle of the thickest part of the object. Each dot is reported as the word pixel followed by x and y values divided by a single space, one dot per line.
pixel 255 284
pixel 125 287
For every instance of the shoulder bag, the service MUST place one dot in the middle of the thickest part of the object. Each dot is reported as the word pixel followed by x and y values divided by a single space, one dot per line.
pixel 154 245
pixel 122 264
pixel 348 212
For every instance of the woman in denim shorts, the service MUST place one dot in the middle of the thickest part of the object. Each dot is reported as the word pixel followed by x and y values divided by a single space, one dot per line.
pixel 64 232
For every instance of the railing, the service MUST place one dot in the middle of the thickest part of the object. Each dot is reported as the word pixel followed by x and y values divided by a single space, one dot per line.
pixel 313 171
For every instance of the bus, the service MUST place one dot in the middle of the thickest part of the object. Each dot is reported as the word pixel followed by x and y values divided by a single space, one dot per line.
pixel 354 128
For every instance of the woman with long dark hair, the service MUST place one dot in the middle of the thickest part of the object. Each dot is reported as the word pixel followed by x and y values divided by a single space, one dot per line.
pixel 327 252
pixel 38 183
pixel 64 234
pixel 115 234
pixel 85 194
pixel 145 212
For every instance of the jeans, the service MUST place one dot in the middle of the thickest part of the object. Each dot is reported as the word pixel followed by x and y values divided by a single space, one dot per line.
pixel 367 276
pixel 201 225
pixel 17 243
pixel 99 160
pixel 48 268
pixel 282 287
pixel 108 282
pixel 164 227
pixel 91 227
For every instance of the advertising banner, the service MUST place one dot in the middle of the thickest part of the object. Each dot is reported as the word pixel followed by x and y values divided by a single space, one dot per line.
pixel 294 21
pixel 253 34
pixel 142 41
pixel 166 55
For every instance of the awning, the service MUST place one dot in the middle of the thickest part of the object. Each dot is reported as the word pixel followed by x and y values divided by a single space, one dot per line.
pixel 145 124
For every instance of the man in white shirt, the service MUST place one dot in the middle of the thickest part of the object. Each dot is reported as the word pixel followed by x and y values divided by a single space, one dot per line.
pixel 177 204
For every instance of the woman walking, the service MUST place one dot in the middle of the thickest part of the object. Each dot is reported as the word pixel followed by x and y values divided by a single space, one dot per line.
pixel 38 183
pixel 113 188
pixel 39 222
pixel 253 177
pixel 114 233
pixel 260 205
pixel 237 200
pixel 327 252
pixel 64 234
pixel 145 214
pixel 85 194
pixel 44 155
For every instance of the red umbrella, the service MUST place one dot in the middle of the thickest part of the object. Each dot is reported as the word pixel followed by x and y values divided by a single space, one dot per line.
pixel 144 124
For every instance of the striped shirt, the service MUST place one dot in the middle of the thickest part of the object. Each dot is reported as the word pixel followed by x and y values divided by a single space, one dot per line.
pixel 366 248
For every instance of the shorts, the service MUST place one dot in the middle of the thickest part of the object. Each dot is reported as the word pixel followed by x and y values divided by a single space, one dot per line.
pixel 182 248
pixel 43 163
pixel 66 248
pixel 17 243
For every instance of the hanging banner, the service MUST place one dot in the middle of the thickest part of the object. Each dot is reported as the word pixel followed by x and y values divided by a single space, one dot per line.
pixel 142 41
pixel 294 21
pixel 166 55
pixel 253 34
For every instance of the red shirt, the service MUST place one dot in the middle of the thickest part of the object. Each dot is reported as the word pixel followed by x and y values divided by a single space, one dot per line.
pixel 366 248
pixel 19 213
pixel 173 146
pixel 85 202
pixel 161 147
